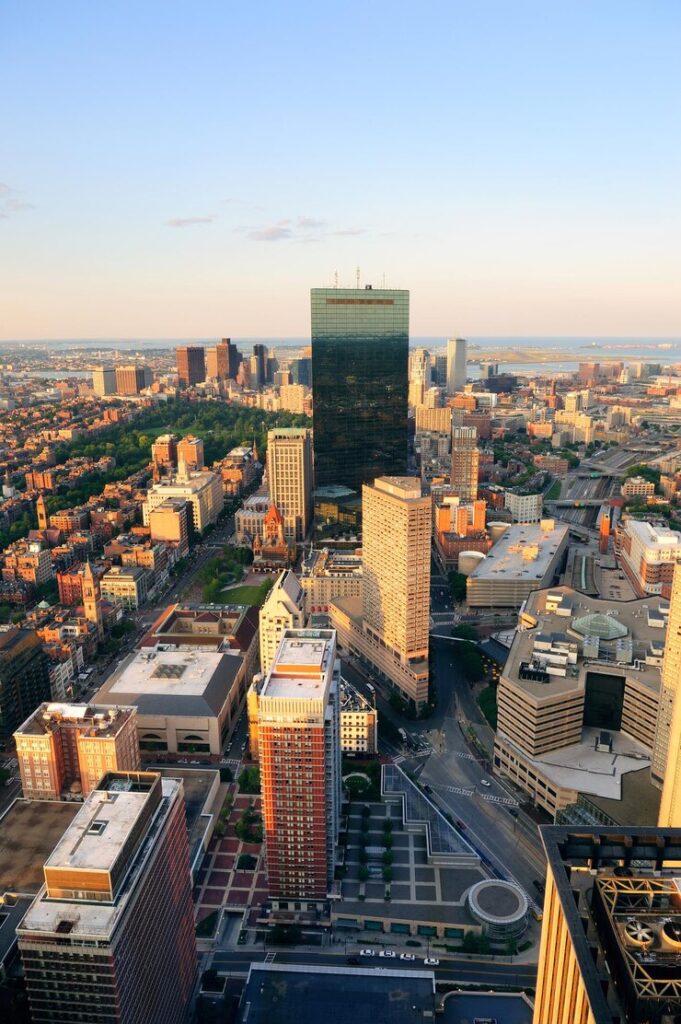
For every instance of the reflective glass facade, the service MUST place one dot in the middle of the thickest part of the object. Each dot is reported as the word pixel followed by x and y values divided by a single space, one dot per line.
pixel 360 348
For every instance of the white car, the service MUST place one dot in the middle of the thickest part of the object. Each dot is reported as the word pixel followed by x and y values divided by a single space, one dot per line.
pixel 431 961
pixel 407 956
pixel 387 952
pixel 484 782
pixel 366 952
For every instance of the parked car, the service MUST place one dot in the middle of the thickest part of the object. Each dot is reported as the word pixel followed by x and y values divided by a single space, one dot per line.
pixel 431 961
pixel 484 782
pixel 407 956
pixel 366 952
pixel 387 952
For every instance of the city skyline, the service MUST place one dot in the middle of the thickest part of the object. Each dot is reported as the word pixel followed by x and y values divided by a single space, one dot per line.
pixel 475 181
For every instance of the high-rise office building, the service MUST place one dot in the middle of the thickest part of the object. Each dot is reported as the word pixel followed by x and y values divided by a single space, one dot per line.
pixel 397 528
pixel 261 357
pixel 289 473
pixel 129 379
pixel 419 376
pixel 191 365
pixel 104 381
pixel 611 929
pixel 24 677
pixel 190 452
pixel 301 371
pixel 297 709
pixel 456 364
pixel 465 462
pixel 667 748
pixel 360 345
pixel 217 360
pixel 111 937
pixel 284 608
pixel 66 748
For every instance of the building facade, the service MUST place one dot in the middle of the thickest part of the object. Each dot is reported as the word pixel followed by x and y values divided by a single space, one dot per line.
pixel 666 766
pixel 129 380
pixel 203 492
pixel 456 364
pixel 465 462
pixel 111 935
pixel 104 381
pixel 191 365
pixel 360 345
pixel 67 748
pixel 283 608
pixel 297 708
pixel 289 473
pixel 24 677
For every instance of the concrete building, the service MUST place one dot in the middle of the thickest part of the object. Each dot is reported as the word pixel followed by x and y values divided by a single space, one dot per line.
pixel 609 947
pixel 202 490
pixel 125 585
pixel 66 748
pixel 389 629
pixel 191 365
pixel 298 714
pixel 164 451
pixel 218 360
pixel 578 697
pixel 104 381
pixel 187 700
pixel 419 376
pixel 524 508
pixel 289 474
pixel 190 452
pixel 111 934
pixel 358 722
pixel 524 559
pixel 129 379
pixel 456 364
pixel 169 523
pixel 249 521
pixel 637 487
pixel 465 462
pixel 437 420
pixel 666 765
pixel 24 677
pixel 283 608
pixel 647 553
pixel 327 575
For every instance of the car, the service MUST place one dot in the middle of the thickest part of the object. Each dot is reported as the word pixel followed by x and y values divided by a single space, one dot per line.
pixel 431 961
pixel 407 956
pixel 428 789
pixel 484 782
pixel 460 823
pixel 352 960
pixel 366 952
pixel 243 747
pixel 387 952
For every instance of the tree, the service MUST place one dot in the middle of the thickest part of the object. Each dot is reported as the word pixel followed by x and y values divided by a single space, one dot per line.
pixel 387 858
pixel 457 586
pixel 363 873
pixel 387 874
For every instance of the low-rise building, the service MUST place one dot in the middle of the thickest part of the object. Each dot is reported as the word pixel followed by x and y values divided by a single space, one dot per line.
pixel 64 749
pixel 647 552
pixel 524 508
pixel 637 487
pixel 358 722
pixel 203 491
pixel 525 558
pixel 249 521
pixel 127 586
pixel 326 575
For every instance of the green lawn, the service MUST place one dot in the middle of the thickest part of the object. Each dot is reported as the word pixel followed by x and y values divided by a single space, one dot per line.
pixel 553 492
pixel 247 595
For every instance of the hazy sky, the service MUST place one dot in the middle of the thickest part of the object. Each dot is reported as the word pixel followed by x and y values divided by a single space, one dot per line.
pixel 193 168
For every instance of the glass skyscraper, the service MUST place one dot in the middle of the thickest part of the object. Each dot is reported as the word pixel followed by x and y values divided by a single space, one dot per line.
pixel 360 349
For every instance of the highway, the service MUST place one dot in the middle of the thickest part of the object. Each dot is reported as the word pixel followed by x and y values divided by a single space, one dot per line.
pixel 471 971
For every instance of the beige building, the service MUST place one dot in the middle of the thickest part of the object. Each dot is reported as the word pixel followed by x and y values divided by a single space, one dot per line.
pixel 637 487
pixel 667 748
pixel 358 722
pixel 525 558
pixel 289 473
pixel 391 630
pixel 64 749
pixel 327 575
pixel 578 668
pixel 292 398
pixel 647 553
pixel 437 420
pixel 190 452
pixel 202 490
pixel 125 585
pixel 283 608
pixel 169 522
pixel 524 508
pixel 465 462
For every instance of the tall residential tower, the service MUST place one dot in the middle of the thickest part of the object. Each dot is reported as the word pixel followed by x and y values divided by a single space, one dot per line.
pixel 456 364
pixel 360 347
pixel 289 473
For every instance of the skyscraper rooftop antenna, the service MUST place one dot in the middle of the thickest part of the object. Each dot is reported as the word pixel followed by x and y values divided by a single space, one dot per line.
pixel 357 276
pixel 383 280
pixel 335 278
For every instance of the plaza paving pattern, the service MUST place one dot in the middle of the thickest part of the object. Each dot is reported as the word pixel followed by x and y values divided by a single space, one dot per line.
pixel 220 883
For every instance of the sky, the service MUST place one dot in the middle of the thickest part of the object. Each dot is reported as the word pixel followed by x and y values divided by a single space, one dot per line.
pixel 191 169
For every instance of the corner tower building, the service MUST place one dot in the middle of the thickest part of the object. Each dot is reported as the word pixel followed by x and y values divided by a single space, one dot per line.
pixel 360 347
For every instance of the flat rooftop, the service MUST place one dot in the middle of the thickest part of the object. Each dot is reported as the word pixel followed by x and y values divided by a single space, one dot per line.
pixel 101 720
pixel 633 616
pixel 301 665
pixel 510 559
pixel 29 832
pixel 639 803
pixel 281 993
pixel 406 487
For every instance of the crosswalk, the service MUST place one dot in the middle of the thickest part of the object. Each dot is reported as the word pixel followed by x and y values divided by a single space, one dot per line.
pixel 507 801
pixel 491 798
pixel 269 958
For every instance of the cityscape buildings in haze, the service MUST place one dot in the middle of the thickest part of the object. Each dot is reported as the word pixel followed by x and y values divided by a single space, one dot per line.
pixel 360 347
pixel 456 365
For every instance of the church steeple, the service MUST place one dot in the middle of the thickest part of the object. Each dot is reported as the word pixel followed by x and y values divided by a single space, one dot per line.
pixel 41 512
pixel 92 603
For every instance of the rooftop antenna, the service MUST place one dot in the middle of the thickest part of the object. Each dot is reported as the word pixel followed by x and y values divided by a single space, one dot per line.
pixel 357 276
pixel 335 278
pixel 383 280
